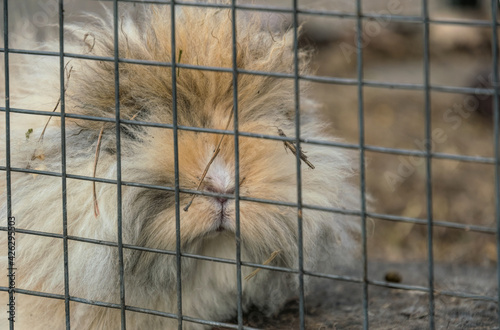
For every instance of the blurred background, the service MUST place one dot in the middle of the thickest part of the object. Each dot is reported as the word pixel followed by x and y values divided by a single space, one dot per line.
pixel 463 192
pixel 462 124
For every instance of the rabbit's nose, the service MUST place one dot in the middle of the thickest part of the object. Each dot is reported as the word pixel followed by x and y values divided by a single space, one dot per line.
pixel 220 199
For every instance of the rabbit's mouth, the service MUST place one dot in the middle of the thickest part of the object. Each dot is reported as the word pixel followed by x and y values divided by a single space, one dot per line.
pixel 222 221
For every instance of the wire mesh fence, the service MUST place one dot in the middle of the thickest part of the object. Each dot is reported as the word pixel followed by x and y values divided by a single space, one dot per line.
pixel 175 190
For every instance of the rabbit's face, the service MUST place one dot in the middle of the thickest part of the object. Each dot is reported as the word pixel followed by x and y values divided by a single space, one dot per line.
pixel 266 171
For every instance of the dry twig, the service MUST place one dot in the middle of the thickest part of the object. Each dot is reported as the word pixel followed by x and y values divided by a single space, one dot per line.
pixel 293 149
pixel 179 61
pixel 97 150
pixel 96 160
pixel 68 75
pixel 216 152
pixel 268 261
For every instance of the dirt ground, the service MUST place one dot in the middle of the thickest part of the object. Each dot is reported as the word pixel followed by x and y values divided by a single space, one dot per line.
pixel 338 305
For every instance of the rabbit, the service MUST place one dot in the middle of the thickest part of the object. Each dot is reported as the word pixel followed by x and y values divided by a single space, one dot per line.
pixel 204 99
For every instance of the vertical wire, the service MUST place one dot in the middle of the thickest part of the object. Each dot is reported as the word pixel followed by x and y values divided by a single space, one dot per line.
pixel 496 118
pixel 118 164
pixel 362 173
pixel 7 136
pixel 298 161
pixel 236 166
pixel 176 167
pixel 428 163
pixel 63 161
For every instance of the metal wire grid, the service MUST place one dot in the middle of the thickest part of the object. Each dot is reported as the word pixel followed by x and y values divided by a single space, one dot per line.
pixel 359 16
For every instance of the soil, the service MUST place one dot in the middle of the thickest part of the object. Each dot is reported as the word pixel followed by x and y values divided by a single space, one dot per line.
pixel 339 305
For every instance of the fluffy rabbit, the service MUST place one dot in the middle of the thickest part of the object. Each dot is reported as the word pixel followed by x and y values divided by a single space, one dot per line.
pixel 204 99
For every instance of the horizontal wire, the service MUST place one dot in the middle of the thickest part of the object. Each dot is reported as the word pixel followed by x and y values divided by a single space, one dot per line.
pixel 384 284
pixel 444 224
pixel 183 254
pixel 318 12
pixel 212 259
pixel 318 79
pixel 387 150
pixel 118 306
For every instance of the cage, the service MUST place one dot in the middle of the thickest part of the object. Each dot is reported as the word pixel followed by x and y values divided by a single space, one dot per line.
pixel 409 87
